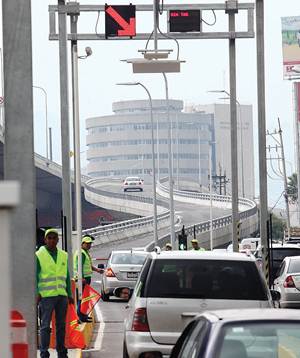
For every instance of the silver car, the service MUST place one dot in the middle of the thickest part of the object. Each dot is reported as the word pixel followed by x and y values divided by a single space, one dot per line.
pixel 245 333
pixel 175 286
pixel 288 282
pixel 122 269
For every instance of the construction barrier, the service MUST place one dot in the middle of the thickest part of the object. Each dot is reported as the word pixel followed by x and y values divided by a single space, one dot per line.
pixel 19 343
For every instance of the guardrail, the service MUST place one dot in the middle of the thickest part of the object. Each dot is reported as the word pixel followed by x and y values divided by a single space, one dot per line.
pixel 190 230
pixel 204 196
pixel 125 225
pixel 89 185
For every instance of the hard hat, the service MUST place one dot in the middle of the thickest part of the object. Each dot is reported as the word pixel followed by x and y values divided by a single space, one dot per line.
pixel 87 239
pixel 49 231
pixel 194 241
pixel 169 245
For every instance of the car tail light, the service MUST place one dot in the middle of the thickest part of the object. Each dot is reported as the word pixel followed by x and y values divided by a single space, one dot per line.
pixel 109 273
pixel 125 183
pixel 140 320
pixel 289 282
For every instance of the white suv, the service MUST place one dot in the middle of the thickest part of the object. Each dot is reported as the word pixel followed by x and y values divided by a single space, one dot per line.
pixel 175 286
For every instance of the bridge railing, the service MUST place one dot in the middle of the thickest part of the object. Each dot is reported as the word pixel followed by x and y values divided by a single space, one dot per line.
pixel 190 230
pixel 125 225
pixel 90 185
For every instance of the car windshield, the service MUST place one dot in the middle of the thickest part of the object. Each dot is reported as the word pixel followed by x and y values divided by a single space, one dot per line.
pixel 211 279
pixel 262 339
pixel 132 179
pixel 294 266
pixel 128 258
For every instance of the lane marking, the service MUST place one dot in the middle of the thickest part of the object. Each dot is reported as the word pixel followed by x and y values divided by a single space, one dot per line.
pixel 100 333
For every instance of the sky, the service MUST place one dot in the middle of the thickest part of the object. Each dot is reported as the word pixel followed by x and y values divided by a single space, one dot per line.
pixel 206 68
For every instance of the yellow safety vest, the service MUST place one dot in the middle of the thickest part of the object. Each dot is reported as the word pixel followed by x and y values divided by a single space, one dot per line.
pixel 87 266
pixel 53 275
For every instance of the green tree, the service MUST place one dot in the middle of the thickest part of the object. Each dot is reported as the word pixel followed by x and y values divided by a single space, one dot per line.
pixel 278 226
pixel 293 188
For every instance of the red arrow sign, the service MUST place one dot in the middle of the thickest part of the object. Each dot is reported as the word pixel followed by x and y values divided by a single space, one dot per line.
pixel 128 28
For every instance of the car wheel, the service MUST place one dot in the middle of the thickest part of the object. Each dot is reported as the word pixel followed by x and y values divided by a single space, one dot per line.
pixel 125 190
pixel 141 189
pixel 125 352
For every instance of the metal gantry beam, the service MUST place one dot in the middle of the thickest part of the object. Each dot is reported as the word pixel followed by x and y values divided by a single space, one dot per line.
pixel 68 8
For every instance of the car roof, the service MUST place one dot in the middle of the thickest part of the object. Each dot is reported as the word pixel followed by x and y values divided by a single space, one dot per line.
pixel 129 252
pixel 205 255
pixel 251 314
pixel 292 258
pixel 284 246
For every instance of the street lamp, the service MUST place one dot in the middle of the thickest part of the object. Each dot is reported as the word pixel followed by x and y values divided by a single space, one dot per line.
pixel 233 144
pixel 153 153
pixel 241 143
pixel 46 111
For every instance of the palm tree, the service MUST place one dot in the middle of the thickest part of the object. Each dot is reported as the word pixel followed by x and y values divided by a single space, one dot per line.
pixel 293 188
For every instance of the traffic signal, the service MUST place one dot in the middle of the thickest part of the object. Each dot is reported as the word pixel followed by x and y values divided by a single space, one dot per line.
pixel 120 21
pixel 182 241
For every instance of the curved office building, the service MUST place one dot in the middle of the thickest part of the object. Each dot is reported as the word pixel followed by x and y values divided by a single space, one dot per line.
pixel 119 145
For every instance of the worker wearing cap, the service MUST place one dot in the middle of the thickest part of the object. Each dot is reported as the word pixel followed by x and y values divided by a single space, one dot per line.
pixel 87 268
pixel 195 245
pixel 168 247
pixel 53 292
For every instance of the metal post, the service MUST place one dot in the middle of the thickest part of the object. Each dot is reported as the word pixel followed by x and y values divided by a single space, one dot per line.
pixel 263 185
pixel 286 198
pixel 19 158
pixel 50 144
pixel 76 124
pixel 297 117
pixel 242 148
pixel 65 132
pixel 8 200
pixel 153 168
pixel 177 137
pixel 210 199
pixel 170 157
pixel 46 124
pixel 155 22
pixel 233 122
pixel 157 148
pixel 199 154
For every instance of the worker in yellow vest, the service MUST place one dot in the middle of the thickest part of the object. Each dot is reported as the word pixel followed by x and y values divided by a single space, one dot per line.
pixel 195 245
pixel 87 269
pixel 53 292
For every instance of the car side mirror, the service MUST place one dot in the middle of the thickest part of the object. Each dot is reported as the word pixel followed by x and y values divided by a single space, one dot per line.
pixel 101 266
pixel 123 292
pixel 275 295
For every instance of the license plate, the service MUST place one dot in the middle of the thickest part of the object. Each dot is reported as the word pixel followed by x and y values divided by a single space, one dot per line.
pixel 132 274
pixel 132 183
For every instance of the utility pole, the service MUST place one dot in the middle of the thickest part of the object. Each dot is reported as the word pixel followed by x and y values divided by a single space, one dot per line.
pixel 297 119
pixel 263 184
pixel 286 197
pixel 19 158
pixel 65 131
pixel 232 9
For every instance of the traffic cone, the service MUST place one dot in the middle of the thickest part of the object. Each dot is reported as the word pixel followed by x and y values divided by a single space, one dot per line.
pixel 19 343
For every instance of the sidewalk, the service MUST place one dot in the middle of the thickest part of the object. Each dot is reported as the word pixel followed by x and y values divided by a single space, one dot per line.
pixel 72 353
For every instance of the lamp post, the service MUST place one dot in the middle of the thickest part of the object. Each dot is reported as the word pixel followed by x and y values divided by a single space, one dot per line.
pixel 152 152
pixel 233 139
pixel 170 165
pixel 46 111
pixel 241 143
